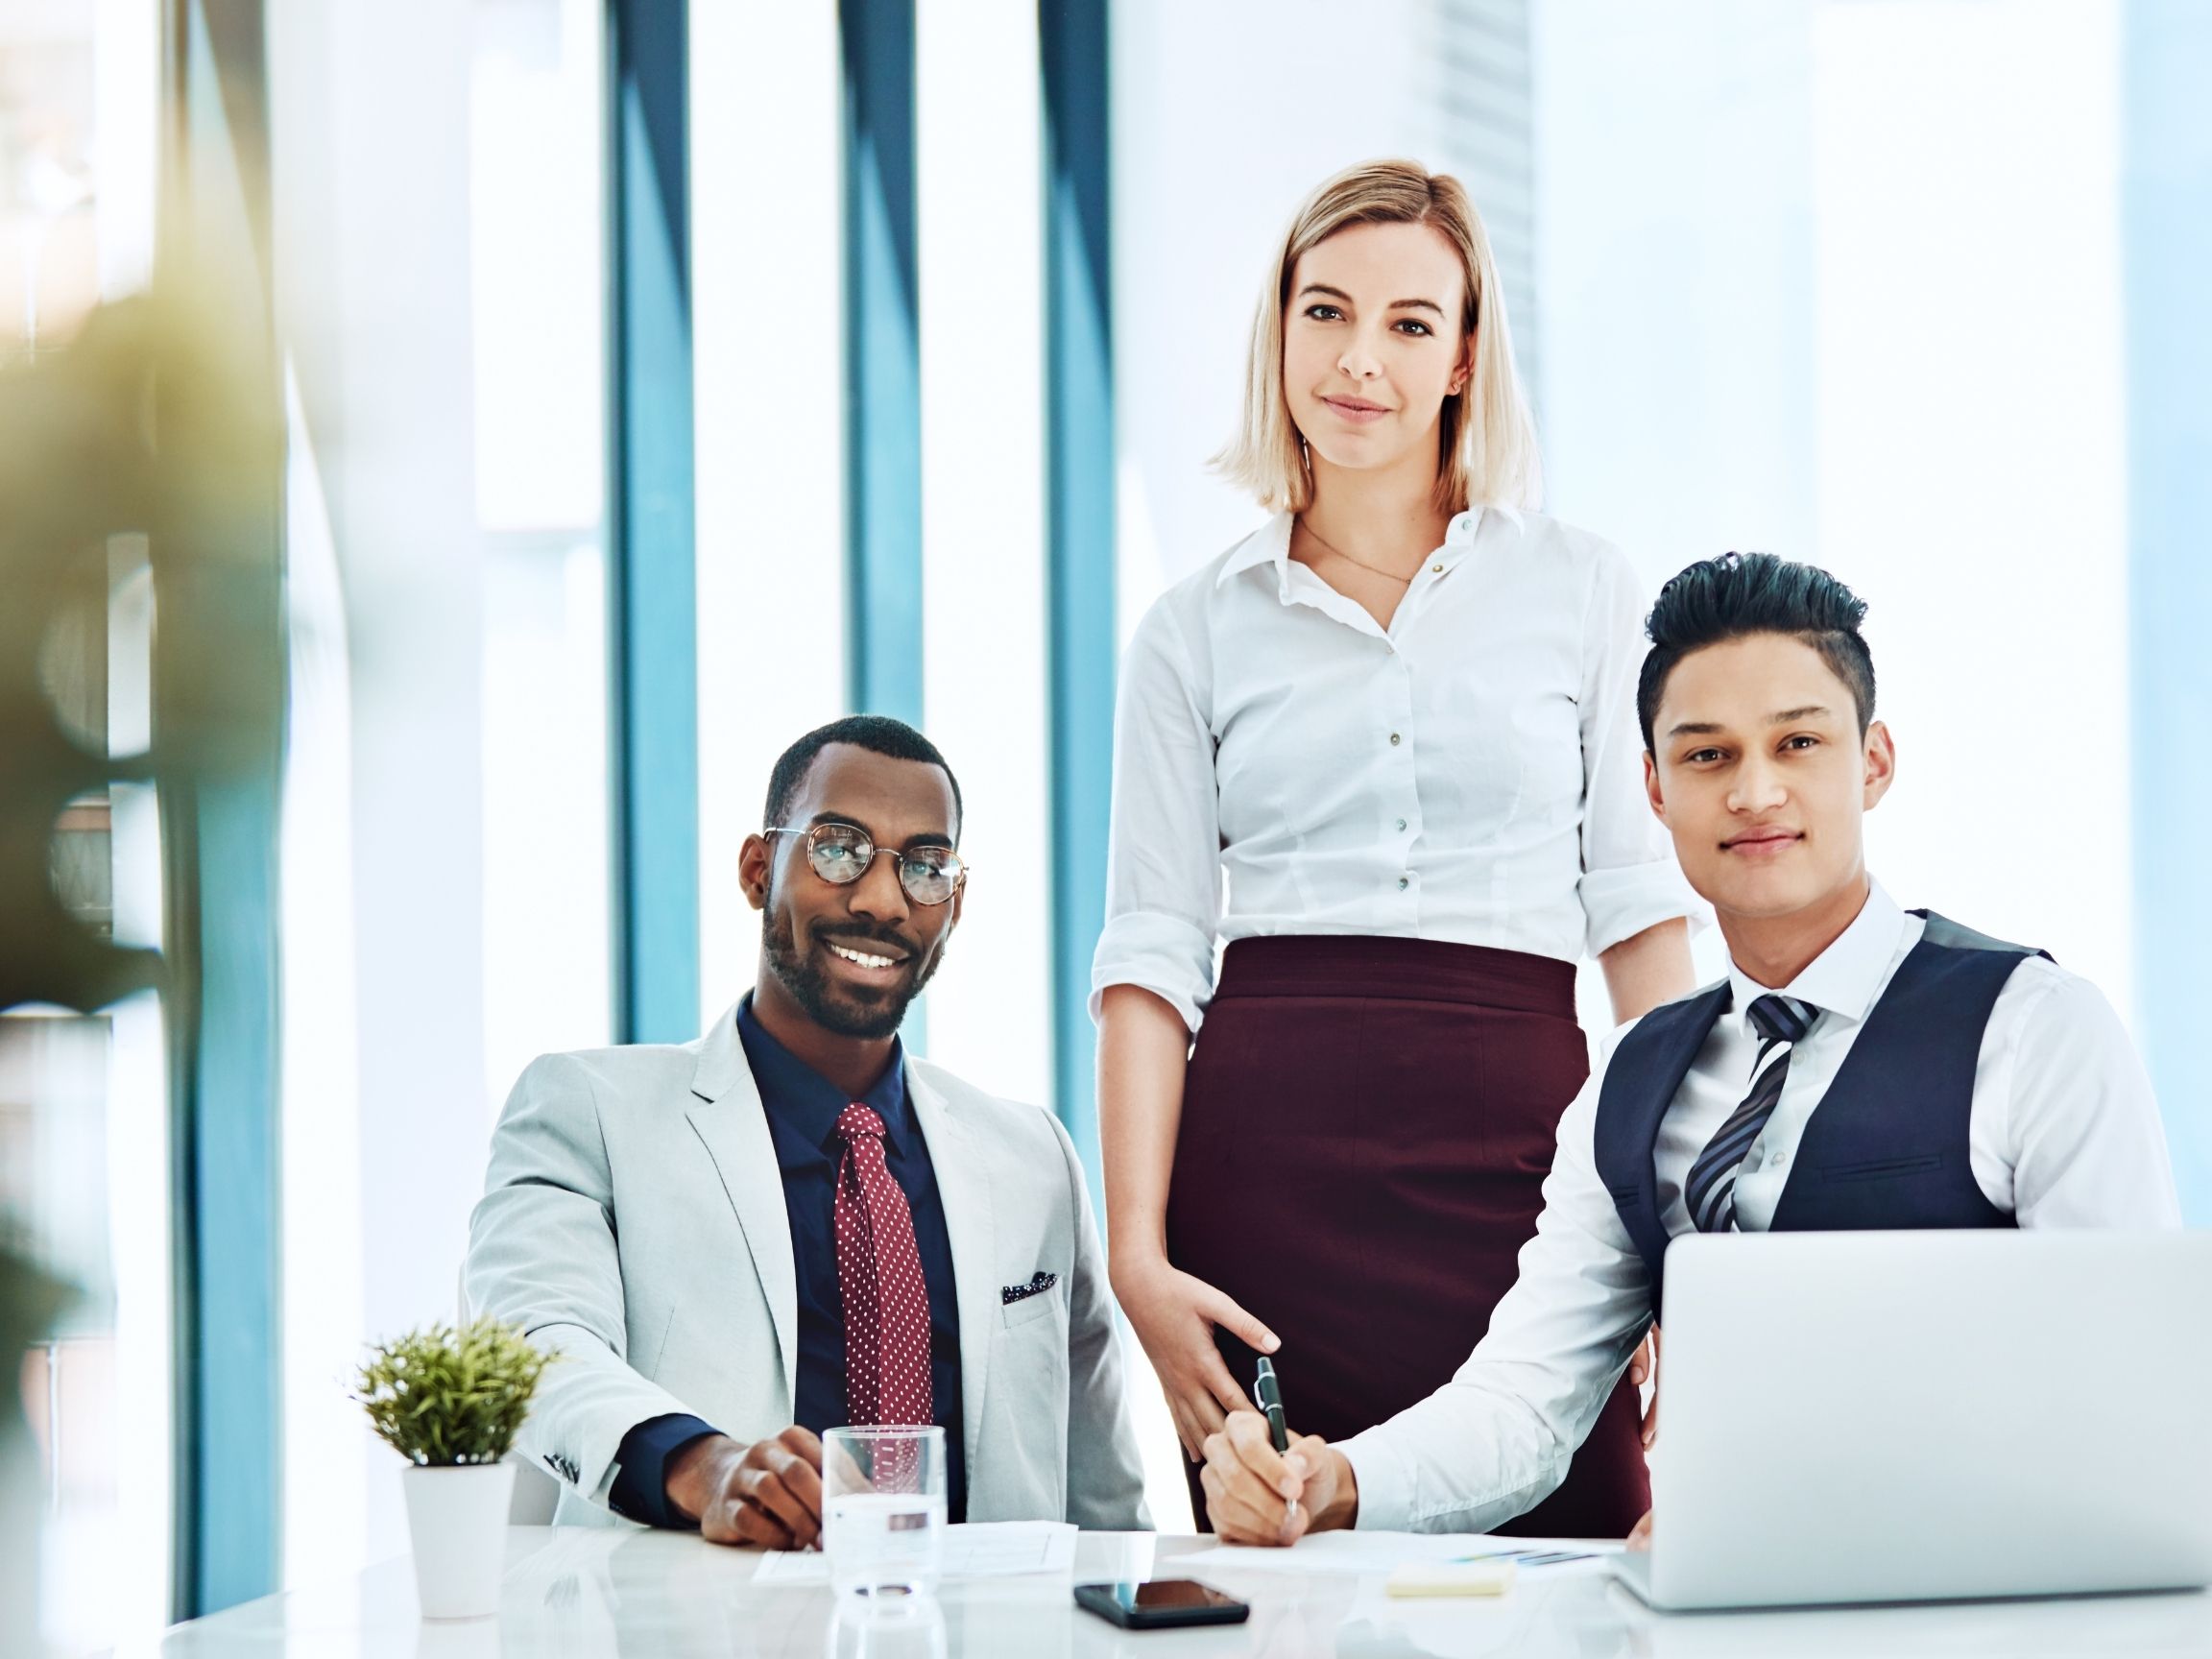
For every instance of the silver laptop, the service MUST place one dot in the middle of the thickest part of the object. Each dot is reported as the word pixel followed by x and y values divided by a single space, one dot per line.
pixel 1920 1416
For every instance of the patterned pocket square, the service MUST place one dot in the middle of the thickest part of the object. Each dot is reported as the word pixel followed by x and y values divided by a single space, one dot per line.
pixel 1036 1286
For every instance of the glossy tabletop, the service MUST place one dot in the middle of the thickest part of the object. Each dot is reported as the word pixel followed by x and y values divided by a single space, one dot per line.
pixel 668 1596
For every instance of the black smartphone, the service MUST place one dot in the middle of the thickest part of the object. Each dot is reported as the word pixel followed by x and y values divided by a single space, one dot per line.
pixel 1161 1603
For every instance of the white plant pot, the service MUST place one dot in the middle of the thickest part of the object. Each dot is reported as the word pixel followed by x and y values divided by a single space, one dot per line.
pixel 457 1520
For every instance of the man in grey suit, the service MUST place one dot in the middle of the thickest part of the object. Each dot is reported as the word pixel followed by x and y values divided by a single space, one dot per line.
pixel 736 1242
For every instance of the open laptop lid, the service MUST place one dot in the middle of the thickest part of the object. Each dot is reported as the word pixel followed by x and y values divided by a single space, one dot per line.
pixel 1904 1416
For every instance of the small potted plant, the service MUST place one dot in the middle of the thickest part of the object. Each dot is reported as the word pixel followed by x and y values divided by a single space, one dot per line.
pixel 449 1401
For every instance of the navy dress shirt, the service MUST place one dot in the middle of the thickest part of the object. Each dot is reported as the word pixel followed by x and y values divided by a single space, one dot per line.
pixel 802 1108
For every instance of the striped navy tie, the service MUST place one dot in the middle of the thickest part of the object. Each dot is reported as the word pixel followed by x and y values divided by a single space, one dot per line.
pixel 1710 1194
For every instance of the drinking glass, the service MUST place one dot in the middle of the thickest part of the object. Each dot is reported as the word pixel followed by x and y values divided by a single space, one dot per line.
pixel 883 1509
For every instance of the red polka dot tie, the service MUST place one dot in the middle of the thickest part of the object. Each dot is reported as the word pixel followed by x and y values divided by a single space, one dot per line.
pixel 879 1280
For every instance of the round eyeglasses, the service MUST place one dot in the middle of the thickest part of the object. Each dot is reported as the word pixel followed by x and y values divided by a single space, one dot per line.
pixel 842 853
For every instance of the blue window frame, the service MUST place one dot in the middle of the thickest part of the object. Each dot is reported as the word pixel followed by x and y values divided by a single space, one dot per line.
pixel 1080 525
pixel 655 728
pixel 883 361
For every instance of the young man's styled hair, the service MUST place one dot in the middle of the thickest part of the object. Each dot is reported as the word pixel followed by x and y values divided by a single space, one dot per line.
pixel 1738 594
pixel 878 734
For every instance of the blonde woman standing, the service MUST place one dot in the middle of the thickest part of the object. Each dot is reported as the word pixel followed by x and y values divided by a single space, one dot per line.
pixel 1385 749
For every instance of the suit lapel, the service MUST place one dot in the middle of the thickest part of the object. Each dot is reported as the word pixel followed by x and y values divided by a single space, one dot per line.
pixel 964 1187
pixel 729 1119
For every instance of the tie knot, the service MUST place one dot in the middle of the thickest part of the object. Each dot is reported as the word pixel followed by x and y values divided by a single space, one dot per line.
pixel 856 1121
pixel 1783 1019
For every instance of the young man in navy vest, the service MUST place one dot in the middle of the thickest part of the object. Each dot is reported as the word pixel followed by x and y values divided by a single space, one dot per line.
pixel 1960 1081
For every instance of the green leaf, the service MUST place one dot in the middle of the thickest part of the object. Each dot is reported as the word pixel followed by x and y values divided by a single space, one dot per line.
pixel 441 1395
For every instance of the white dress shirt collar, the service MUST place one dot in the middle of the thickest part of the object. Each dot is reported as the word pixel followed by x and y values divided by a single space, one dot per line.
pixel 1844 980
pixel 1270 544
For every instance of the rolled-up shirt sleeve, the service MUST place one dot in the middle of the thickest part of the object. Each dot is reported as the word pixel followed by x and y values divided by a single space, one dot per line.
pixel 2081 1141
pixel 1163 856
pixel 1630 880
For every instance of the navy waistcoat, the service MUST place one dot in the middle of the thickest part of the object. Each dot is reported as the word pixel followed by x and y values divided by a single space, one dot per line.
pixel 1886 1146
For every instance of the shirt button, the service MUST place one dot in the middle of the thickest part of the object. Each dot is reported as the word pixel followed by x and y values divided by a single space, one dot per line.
pixel 1402 881
pixel 1393 739
pixel 1401 822
pixel 1436 569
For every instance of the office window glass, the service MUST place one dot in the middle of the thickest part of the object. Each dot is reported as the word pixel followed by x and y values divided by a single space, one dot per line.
pixel 1793 314
pixel 537 268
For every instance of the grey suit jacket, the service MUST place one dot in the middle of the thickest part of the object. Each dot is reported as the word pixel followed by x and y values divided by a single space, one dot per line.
pixel 633 1221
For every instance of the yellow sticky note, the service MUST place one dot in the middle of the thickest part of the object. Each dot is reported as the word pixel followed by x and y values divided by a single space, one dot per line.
pixel 1452 1578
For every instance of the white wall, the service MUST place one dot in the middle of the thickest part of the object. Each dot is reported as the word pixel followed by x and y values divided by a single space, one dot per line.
pixel 1676 256
pixel 1841 281
pixel 1973 459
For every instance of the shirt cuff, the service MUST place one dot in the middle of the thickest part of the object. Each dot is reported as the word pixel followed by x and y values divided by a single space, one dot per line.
pixel 640 1491
pixel 1160 953
pixel 1619 905
pixel 1385 1481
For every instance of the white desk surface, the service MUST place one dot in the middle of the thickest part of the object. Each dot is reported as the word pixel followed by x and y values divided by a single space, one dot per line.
pixel 668 1596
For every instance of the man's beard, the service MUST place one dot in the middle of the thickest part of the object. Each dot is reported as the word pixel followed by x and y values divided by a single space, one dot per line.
pixel 810 988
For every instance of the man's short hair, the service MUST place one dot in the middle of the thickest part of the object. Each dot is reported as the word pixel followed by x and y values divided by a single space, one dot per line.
pixel 1738 593
pixel 878 734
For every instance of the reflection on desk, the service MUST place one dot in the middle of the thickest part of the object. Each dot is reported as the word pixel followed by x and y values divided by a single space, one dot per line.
pixel 668 1596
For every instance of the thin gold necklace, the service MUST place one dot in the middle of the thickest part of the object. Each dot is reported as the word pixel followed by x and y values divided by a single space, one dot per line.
pixel 1329 547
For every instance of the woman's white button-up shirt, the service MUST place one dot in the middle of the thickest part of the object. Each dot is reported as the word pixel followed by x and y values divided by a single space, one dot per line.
pixel 1284 764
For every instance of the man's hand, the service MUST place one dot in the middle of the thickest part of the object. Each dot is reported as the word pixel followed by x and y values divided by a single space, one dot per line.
pixel 767 1495
pixel 1255 1497
pixel 1640 1535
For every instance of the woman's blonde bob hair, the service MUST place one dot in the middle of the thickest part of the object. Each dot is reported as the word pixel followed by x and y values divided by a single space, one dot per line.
pixel 1486 441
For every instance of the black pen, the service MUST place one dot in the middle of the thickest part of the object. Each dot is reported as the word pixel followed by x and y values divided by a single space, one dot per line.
pixel 1269 1394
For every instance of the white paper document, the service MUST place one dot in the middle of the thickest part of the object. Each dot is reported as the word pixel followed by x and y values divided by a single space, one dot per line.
pixel 978 1549
pixel 1356 1555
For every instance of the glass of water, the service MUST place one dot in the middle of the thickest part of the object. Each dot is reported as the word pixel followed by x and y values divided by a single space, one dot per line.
pixel 883 1509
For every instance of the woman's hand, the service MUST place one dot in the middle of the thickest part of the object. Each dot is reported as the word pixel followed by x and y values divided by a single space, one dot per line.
pixel 1174 1316
pixel 1644 1369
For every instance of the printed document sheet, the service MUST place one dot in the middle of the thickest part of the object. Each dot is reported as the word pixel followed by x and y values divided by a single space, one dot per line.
pixel 1356 1555
pixel 978 1549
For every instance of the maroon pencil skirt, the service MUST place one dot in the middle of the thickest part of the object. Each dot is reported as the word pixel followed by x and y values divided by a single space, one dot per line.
pixel 1367 1127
